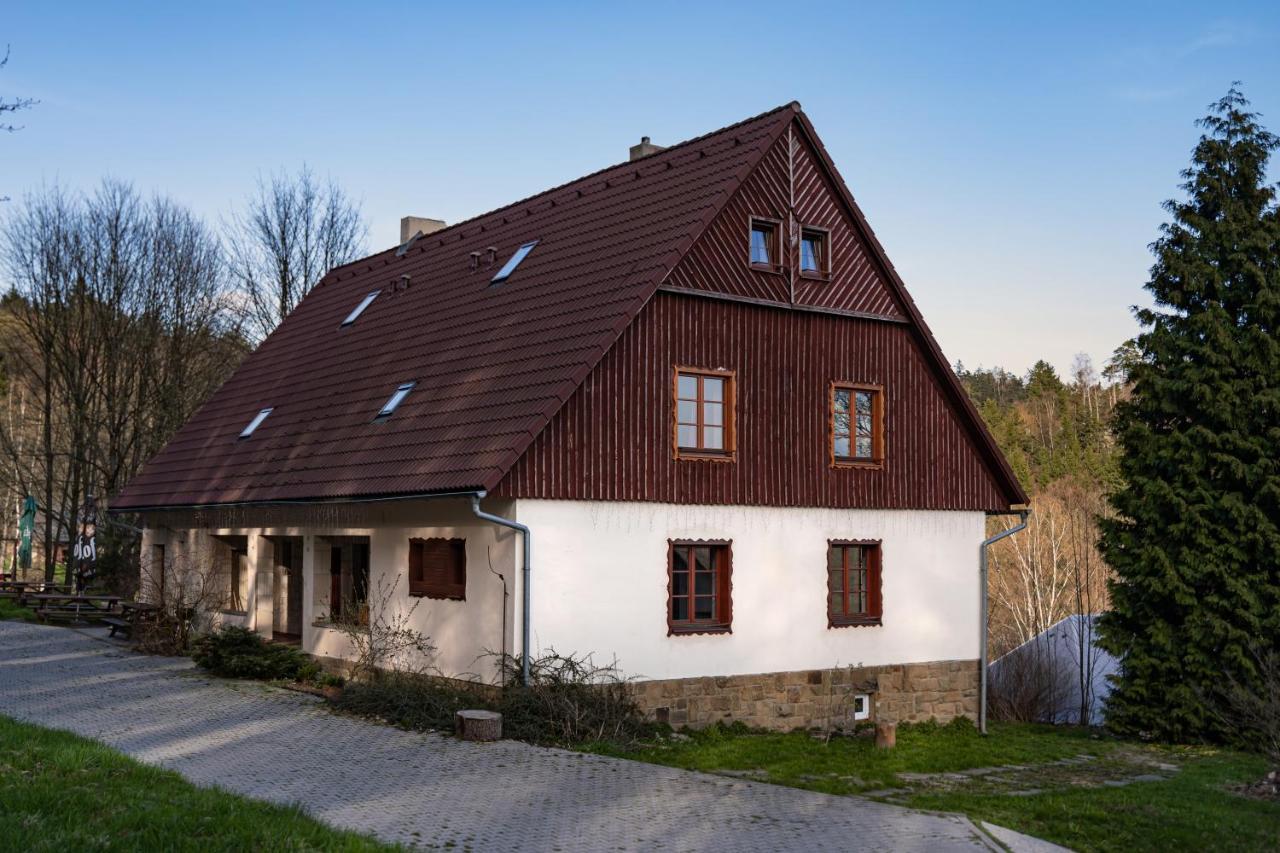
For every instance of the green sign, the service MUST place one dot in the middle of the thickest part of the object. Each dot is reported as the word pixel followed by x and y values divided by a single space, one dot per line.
pixel 26 527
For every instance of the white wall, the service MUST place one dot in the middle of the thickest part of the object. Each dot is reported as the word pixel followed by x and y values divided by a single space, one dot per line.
pixel 600 585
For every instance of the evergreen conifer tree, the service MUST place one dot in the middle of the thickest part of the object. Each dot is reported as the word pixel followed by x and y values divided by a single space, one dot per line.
pixel 1195 541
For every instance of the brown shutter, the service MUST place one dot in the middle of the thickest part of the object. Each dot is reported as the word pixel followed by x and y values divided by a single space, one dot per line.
pixel 438 568
pixel 873 581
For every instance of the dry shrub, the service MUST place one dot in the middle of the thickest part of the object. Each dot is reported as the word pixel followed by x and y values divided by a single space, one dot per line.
pixel 1028 687
pixel 569 699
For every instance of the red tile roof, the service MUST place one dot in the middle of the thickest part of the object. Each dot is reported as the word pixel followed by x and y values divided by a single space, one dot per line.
pixel 492 363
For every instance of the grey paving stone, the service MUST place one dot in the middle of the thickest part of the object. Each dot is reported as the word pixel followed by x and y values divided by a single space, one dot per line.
pixel 418 789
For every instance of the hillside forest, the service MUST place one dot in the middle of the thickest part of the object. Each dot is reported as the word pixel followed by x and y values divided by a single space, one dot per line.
pixel 1055 432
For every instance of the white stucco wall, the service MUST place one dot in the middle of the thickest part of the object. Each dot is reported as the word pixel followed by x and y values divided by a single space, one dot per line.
pixel 600 586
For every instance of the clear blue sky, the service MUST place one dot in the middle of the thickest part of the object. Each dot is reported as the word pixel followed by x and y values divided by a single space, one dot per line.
pixel 1012 160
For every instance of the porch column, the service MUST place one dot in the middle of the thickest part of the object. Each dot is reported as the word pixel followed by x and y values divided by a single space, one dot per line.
pixel 262 557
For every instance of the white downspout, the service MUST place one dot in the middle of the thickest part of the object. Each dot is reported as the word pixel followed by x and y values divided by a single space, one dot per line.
pixel 982 638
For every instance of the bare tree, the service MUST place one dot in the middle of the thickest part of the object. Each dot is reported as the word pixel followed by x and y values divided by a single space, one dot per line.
pixel 293 231
pixel 121 311
pixel 10 106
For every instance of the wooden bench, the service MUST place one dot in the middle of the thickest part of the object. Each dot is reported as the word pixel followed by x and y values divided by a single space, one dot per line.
pixel 118 623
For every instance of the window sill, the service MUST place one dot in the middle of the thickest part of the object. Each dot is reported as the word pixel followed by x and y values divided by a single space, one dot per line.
pixel 855 622
pixel 687 630
pixel 705 455
pixel 772 269
pixel 857 463
pixel 810 275
pixel 338 626
pixel 437 596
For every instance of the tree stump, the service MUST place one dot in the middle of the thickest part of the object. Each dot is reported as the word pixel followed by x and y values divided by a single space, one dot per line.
pixel 886 735
pixel 479 725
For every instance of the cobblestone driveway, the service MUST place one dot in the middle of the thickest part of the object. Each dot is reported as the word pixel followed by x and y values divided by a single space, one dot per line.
pixel 423 789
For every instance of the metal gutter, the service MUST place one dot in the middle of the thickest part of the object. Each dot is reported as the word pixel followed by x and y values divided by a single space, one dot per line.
pixel 982 637
pixel 415 496
pixel 525 633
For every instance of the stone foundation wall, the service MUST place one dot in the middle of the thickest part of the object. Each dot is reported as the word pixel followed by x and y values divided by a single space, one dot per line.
pixel 816 698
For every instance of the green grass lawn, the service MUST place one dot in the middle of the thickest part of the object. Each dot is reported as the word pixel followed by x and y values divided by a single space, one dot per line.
pixel 62 792
pixel 1055 793
pixel 10 609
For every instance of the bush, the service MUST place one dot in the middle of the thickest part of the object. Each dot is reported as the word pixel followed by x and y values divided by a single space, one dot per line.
pixel 569 700
pixel 235 652
pixel 410 700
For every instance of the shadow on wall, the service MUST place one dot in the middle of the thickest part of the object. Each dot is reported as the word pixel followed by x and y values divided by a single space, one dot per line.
pixel 1058 676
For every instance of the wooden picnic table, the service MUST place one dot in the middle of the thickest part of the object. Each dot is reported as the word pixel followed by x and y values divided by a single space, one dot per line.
pixel 22 590
pixel 131 614
pixel 72 605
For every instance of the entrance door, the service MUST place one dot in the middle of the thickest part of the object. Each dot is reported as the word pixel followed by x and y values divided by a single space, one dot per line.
pixel 286 598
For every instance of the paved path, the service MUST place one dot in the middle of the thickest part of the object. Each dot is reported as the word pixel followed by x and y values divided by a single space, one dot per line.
pixel 423 789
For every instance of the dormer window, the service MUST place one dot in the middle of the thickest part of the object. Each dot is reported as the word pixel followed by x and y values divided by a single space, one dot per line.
pixel 815 259
pixel 764 244
pixel 396 399
pixel 359 309
pixel 514 261
pixel 255 423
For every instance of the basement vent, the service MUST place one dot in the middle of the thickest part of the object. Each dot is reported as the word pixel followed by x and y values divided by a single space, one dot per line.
pixel 514 261
pixel 396 399
pixel 359 309
pixel 255 423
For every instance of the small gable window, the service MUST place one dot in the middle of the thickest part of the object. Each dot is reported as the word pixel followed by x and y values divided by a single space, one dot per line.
pixel 814 255
pixel 698 600
pixel 396 399
pixel 704 413
pixel 438 568
pixel 853 583
pixel 255 423
pixel 514 261
pixel 359 309
pixel 764 243
pixel 857 424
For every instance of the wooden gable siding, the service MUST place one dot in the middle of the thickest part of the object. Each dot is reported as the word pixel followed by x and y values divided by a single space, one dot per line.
pixel 789 170
pixel 612 440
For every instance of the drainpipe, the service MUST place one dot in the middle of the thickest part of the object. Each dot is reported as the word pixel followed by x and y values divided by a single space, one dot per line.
pixel 982 659
pixel 524 586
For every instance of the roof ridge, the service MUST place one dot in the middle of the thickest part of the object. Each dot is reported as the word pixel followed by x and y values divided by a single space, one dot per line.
pixel 791 105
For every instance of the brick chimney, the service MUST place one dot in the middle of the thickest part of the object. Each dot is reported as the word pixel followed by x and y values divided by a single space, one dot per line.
pixel 410 225
pixel 645 148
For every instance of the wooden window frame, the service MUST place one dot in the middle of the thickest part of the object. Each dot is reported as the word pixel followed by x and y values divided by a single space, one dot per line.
pixel 874 615
pixel 723 594
pixel 878 426
pixel 730 425
pixel 823 273
pixel 449 592
pixel 775 244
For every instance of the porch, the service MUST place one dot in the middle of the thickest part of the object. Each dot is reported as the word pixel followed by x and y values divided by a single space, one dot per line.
pixel 312 575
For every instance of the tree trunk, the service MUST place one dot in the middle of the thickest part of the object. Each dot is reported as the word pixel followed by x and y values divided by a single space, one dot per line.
pixel 479 725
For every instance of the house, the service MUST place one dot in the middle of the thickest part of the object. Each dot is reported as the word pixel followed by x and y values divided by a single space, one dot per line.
pixel 680 413
pixel 1060 675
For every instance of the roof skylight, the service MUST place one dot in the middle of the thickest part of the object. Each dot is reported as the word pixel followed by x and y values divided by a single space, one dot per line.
pixel 255 423
pixel 396 399
pixel 514 261
pixel 359 309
